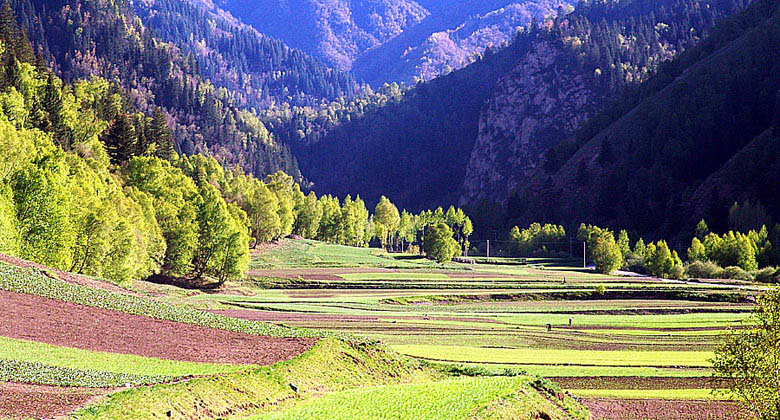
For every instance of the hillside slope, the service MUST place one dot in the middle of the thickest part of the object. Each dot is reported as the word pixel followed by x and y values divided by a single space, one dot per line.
pixel 336 31
pixel 80 39
pixel 561 82
pixel 479 132
pixel 448 39
pixel 644 169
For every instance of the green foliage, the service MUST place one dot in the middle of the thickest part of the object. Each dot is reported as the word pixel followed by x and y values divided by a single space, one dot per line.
pixel 623 243
pixel 748 216
pixel 438 243
pixel 639 248
pixel 697 252
pixel 386 220
pixel 538 239
pixel 309 214
pixel 42 200
pixel 750 358
pixel 223 240
pixel 9 235
pixel 702 230
pixel 733 249
pixel 698 269
pixel 173 196
pixel 660 261
pixel 606 254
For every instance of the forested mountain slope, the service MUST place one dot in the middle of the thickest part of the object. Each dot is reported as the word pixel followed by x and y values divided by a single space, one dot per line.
pixel 336 31
pixel 488 125
pixel 391 40
pixel 589 56
pixel 688 143
pixel 106 38
pixel 449 38
pixel 255 69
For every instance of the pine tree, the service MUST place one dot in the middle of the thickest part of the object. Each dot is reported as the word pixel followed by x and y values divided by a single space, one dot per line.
pixel 161 135
pixel 120 139
pixel 9 29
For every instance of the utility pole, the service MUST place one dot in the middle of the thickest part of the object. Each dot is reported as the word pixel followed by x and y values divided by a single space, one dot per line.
pixel 488 251
pixel 584 265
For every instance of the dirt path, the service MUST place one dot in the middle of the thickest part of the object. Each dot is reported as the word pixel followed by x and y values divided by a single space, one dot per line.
pixel 40 401
pixel 66 324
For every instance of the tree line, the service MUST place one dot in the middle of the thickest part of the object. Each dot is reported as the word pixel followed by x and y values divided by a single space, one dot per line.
pixel 91 185
pixel 746 255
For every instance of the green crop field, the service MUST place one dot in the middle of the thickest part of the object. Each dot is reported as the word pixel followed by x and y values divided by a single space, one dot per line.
pixel 77 359
pixel 448 400
pixel 621 338
pixel 496 314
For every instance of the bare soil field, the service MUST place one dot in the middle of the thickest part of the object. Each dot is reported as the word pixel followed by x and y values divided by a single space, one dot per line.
pixel 41 401
pixel 653 409
pixel 61 323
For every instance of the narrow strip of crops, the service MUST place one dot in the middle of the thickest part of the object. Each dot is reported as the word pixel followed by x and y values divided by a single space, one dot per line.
pixel 32 281
pixel 41 374
pixel 86 360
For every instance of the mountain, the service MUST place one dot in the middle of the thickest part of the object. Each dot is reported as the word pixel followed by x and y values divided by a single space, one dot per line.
pixel 205 71
pixel 336 31
pixel 468 135
pixel 686 144
pixel 449 38
pixel 591 55
pixel 384 41
pixel 256 69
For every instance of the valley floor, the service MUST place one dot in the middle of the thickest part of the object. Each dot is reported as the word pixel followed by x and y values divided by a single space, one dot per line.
pixel 305 336
pixel 640 350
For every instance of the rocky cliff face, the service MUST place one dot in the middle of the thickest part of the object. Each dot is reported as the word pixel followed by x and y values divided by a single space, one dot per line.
pixel 540 102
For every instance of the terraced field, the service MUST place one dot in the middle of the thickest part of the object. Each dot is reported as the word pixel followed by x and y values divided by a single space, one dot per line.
pixel 628 347
pixel 87 349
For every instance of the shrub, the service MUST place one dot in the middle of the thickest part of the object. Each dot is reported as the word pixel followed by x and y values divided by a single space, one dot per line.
pixel 735 273
pixel 768 275
pixel 702 270
pixel 676 272
pixel 636 263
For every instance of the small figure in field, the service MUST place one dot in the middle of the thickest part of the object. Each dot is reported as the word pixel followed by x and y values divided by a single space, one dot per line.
pixel 564 279
pixel 426 317
pixel 570 321
pixel 549 327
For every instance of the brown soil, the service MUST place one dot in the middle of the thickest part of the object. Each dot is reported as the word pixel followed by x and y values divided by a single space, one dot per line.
pixel 650 409
pixel 65 276
pixel 40 401
pixel 66 324
pixel 629 382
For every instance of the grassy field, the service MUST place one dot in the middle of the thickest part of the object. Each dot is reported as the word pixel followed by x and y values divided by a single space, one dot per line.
pixel 446 400
pixel 506 322
pixel 84 360
pixel 498 315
